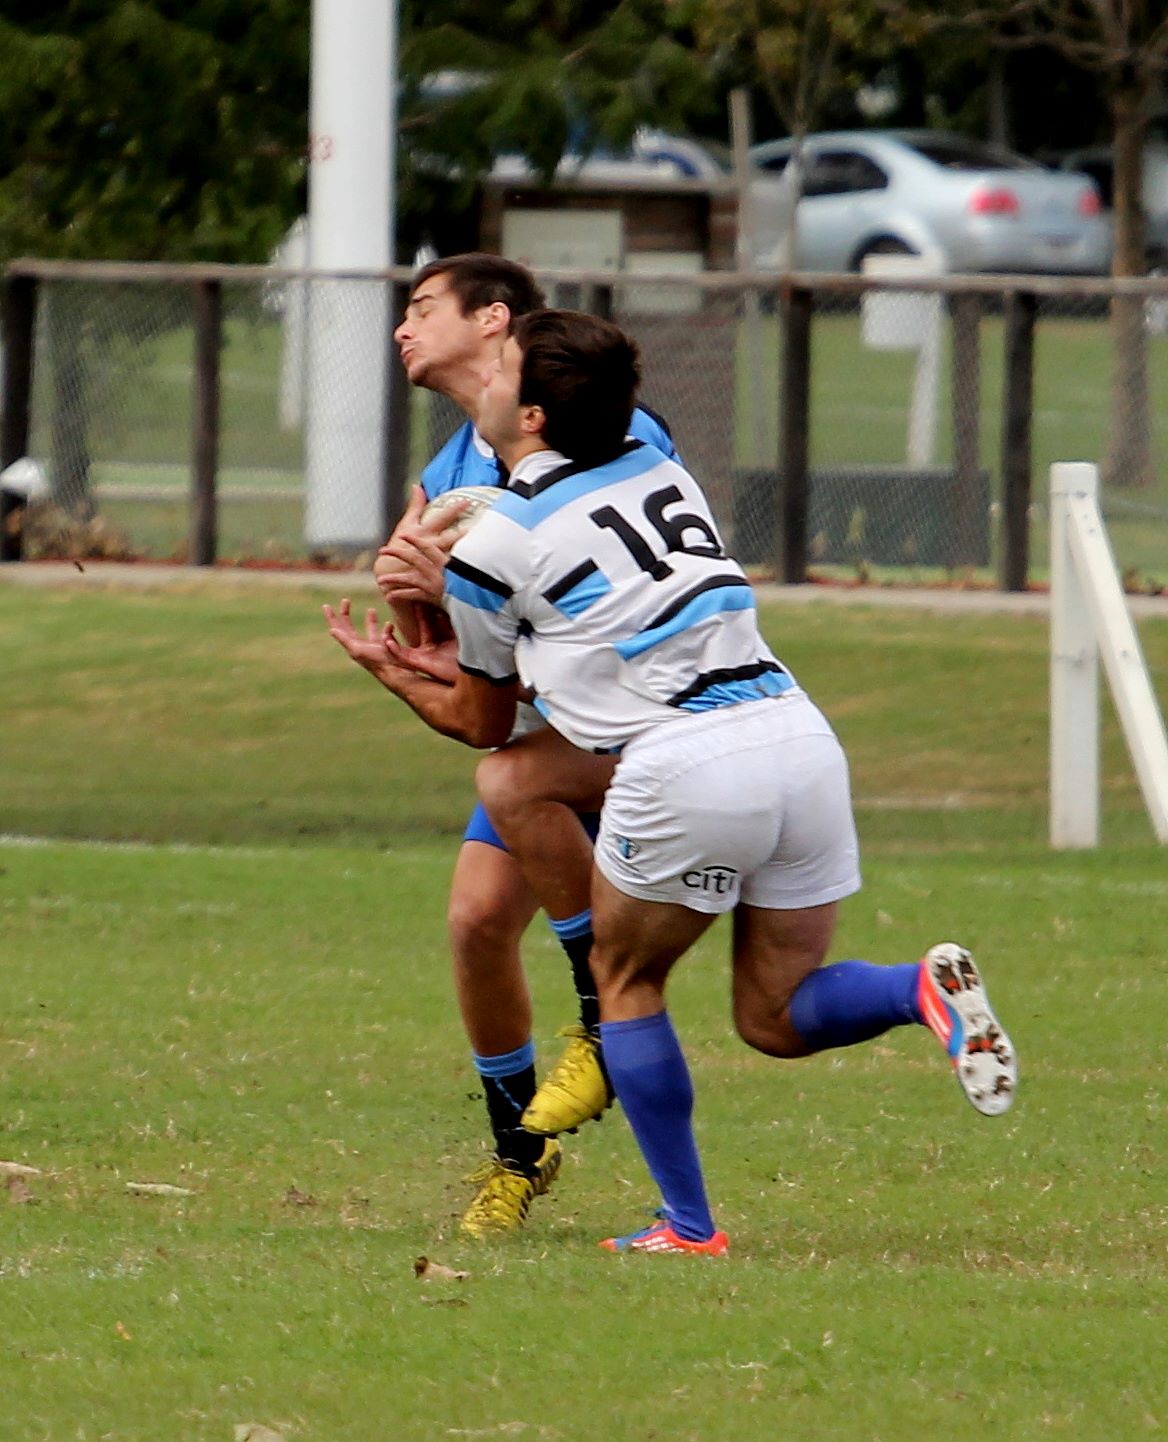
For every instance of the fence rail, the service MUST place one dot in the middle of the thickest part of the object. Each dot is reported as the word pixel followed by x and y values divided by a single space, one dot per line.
pixel 866 426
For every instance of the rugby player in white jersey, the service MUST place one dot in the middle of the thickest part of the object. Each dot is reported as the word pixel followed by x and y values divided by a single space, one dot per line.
pixel 456 320
pixel 599 581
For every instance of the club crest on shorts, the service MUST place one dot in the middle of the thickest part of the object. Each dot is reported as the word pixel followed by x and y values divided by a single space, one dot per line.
pixel 626 847
pixel 718 879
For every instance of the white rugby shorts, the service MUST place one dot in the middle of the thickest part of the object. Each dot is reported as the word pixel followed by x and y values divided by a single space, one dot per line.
pixel 745 803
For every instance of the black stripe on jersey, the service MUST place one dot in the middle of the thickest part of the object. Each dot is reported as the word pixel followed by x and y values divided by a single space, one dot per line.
pixel 715 583
pixel 728 673
pixel 482 675
pixel 530 489
pixel 565 583
pixel 479 578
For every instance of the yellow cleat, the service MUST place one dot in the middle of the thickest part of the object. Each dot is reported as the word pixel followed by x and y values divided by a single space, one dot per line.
pixel 575 1090
pixel 501 1203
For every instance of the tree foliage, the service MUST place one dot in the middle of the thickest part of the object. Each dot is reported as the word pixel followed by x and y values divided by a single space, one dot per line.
pixel 537 78
pixel 799 52
pixel 151 129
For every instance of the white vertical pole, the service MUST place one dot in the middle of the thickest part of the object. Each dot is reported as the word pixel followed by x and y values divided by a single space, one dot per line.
pixel 922 415
pixel 350 228
pixel 1123 658
pixel 1074 675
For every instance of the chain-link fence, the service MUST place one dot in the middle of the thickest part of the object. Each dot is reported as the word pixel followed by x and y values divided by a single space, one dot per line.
pixel 843 427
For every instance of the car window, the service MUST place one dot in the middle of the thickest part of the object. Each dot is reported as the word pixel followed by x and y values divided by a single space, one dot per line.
pixel 956 153
pixel 842 172
pixel 776 164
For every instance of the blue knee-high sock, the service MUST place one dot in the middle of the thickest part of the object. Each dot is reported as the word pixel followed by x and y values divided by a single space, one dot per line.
pixel 652 1082
pixel 853 1001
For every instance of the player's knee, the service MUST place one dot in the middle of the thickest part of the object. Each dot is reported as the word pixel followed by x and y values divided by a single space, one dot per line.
pixel 478 928
pixel 771 1034
pixel 497 780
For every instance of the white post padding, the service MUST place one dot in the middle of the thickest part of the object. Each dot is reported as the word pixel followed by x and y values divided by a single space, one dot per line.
pixel 350 228
pixel 1089 593
pixel 1074 677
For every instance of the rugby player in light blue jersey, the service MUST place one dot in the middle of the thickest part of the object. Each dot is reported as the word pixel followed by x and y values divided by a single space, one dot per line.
pixel 454 326
pixel 599 581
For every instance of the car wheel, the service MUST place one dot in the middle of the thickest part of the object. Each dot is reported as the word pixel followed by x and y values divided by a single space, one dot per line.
pixel 886 245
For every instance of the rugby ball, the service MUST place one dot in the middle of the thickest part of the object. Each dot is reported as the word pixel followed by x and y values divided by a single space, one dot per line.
pixel 478 500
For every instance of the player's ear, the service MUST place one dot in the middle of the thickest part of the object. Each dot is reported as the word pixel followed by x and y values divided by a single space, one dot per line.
pixel 495 318
pixel 531 420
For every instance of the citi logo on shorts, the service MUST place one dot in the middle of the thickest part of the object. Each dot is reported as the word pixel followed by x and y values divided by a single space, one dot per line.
pixel 626 848
pixel 718 879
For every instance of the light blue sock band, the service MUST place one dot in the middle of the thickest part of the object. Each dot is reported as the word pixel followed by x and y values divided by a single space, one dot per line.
pixel 572 926
pixel 508 1064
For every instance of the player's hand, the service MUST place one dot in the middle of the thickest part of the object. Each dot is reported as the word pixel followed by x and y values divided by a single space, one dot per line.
pixel 435 655
pixel 370 650
pixel 419 572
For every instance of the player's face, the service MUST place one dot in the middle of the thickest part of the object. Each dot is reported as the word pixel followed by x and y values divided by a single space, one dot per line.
pixel 435 338
pixel 499 408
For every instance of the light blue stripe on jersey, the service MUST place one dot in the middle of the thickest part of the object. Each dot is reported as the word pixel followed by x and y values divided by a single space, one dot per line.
pixel 471 595
pixel 531 512
pixel 585 593
pixel 733 693
pixel 701 608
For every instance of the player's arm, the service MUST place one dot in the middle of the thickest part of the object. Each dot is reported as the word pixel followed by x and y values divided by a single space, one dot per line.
pixel 469 708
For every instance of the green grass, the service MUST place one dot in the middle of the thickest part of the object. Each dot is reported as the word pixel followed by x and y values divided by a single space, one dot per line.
pixel 263 1015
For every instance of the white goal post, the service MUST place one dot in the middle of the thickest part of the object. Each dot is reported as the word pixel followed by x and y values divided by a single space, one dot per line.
pixel 1088 618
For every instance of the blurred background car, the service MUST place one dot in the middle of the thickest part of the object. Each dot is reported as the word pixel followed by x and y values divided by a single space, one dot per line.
pixel 975 206
pixel 652 155
pixel 1097 162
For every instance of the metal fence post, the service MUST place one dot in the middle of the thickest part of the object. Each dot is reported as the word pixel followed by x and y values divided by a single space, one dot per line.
pixel 398 392
pixel 19 326
pixel 204 533
pixel 966 318
pixel 1017 424
pixel 795 399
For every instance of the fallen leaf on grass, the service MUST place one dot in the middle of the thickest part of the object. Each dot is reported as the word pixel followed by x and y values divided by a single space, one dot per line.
pixel 18 1169
pixel 256 1432
pixel 19 1194
pixel 294 1197
pixel 430 1271
pixel 157 1189
pixel 120 1329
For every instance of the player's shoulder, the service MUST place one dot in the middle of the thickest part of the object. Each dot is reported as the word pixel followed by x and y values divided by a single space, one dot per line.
pixel 648 426
pixel 465 460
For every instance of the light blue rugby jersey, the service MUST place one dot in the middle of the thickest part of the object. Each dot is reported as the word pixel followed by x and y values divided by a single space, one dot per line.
pixel 467 460
pixel 609 592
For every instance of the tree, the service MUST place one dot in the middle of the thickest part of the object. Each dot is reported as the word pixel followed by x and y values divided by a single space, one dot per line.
pixel 148 131
pixel 1124 43
pixel 142 131
pixel 799 53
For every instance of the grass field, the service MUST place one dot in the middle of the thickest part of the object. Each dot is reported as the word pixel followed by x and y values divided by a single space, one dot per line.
pixel 224 970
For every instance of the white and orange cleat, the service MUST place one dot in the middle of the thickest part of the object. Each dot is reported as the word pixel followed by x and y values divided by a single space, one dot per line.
pixel 957 1011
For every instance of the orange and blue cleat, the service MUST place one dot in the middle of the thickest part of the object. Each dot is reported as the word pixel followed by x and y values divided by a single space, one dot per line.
pixel 956 1010
pixel 660 1237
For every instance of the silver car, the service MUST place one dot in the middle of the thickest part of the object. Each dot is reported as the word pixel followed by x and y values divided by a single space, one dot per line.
pixel 974 206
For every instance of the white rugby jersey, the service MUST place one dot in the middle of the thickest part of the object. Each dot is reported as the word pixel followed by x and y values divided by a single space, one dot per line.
pixel 608 591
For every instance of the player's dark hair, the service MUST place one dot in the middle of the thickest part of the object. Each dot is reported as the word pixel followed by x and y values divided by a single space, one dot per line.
pixel 479 279
pixel 584 373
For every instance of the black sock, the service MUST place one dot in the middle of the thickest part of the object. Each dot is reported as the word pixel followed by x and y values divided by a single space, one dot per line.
pixel 575 936
pixel 507 1096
